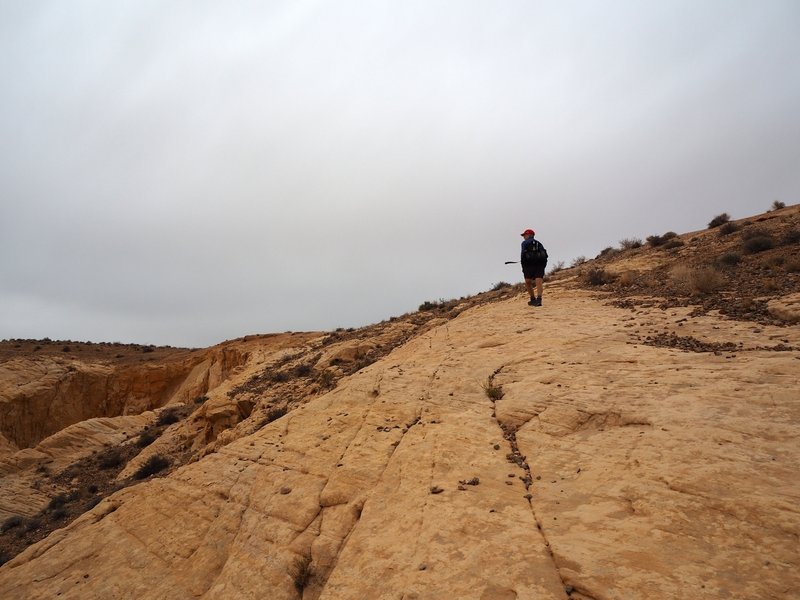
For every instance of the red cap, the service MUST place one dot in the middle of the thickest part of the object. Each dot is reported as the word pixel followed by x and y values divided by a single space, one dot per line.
pixel 528 232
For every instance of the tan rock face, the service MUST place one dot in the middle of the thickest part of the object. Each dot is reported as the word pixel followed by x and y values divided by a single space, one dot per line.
pixel 612 467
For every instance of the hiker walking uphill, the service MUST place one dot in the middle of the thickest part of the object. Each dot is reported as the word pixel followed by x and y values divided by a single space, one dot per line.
pixel 533 259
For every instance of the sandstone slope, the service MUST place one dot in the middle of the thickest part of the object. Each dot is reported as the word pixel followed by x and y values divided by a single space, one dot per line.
pixel 653 472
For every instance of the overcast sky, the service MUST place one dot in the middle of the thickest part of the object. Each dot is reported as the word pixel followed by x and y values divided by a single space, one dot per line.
pixel 184 172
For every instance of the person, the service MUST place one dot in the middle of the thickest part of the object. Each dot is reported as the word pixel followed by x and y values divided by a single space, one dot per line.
pixel 533 259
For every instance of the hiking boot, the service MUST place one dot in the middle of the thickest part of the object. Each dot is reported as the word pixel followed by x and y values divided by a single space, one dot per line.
pixel 532 302
pixel 537 301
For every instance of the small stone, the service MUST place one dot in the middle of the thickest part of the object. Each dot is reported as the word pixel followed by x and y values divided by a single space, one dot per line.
pixel 511 475
pixel 436 490
pixel 423 566
pixel 569 589
pixel 286 490
pixel 509 482
pixel 528 496
pixel 462 487
pixel 497 446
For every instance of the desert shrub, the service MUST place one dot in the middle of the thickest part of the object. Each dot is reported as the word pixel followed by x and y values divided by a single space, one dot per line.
pixel 599 277
pixel 168 417
pixel 559 266
pixel 201 400
pixel 577 261
pixel 729 259
pixel 777 205
pixel 33 524
pixel 279 377
pixel 442 303
pixel 146 438
pixel 630 243
pixel 791 237
pixel 760 243
pixel 4 558
pixel 110 459
pixel 792 265
pixel 326 379
pixel 57 501
pixel 11 523
pixel 492 391
pixel 59 513
pixel 655 240
pixel 608 252
pixel 302 573
pixel 628 278
pixel 153 465
pixel 92 489
pixel 273 414
pixel 303 370
pixel 719 220
pixel 701 281
pixel 728 228
pixel 672 244
pixel 500 285
pixel 669 235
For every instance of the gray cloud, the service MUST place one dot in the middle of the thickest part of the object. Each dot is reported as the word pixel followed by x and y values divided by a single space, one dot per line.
pixel 187 172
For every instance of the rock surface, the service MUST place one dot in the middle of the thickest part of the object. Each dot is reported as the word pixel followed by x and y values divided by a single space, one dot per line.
pixel 608 469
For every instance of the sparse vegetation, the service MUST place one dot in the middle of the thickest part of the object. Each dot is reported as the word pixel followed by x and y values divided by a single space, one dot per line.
pixel 302 573
pixel 492 391
pixel 792 265
pixel 627 278
pixel 754 244
pixel 700 281
pixel 275 413
pixel 168 417
pixel 501 285
pixel 672 244
pixel 791 237
pixel 728 228
pixel 11 523
pixel 729 259
pixel 577 261
pixel 719 220
pixel 303 370
pixel 326 379
pixel 146 438
pixel 630 243
pixel 57 501
pixel 201 400
pixel 559 266
pixel 777 205
pixel 153 465
pixel 655 240
pixel 599 277
pixel 110 459
pixel 608 252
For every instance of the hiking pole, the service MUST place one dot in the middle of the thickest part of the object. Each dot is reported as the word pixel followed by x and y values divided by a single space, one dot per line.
pixel 511 262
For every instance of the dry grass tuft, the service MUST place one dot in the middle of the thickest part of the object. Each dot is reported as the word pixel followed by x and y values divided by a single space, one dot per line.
pixel 700 281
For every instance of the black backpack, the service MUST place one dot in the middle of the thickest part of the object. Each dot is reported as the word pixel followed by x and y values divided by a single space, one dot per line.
pixel 536 255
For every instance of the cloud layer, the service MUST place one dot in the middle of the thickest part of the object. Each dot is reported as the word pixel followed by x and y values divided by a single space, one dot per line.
pixel 187 172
